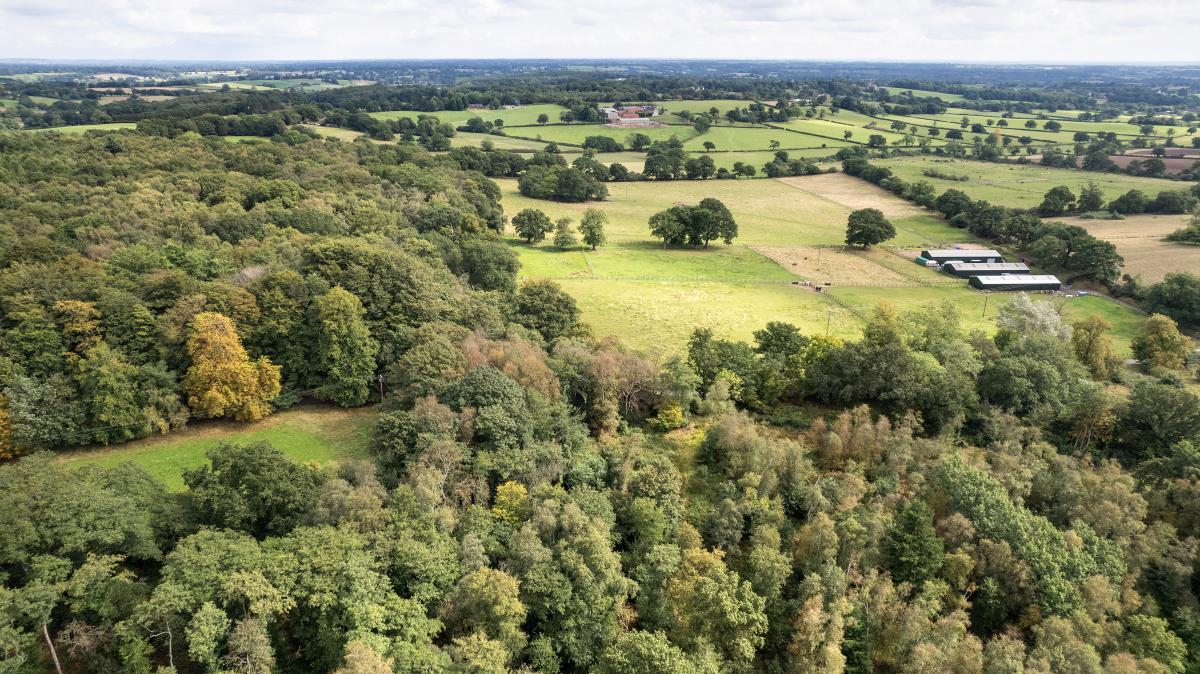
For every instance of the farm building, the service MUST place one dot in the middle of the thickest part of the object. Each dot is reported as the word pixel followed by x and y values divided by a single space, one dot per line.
pixel 1016 282
pixel 962 255
pixel 969 269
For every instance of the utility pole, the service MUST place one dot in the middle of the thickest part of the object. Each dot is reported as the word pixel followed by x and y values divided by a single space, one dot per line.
pixel 381 388
pixel 828 319
pixel 986 295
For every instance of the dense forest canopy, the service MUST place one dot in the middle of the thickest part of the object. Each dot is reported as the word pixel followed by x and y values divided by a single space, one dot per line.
pixel 538 498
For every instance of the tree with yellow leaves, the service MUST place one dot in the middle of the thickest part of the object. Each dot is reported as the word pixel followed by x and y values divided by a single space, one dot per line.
pixel 222 380
pixel 6 447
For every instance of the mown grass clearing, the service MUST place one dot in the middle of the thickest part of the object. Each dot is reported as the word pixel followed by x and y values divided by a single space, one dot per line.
pixel 768 212
pixel 854 194
pixel 348 135
pixel 739 138
pixel 834 265
pixel 648 261
pixel 660 315
pixel 1017 185
pixel 308 433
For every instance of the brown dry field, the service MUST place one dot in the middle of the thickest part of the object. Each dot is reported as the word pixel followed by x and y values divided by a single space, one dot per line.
pixel 1173 164
pixel 836 265
pixel 854 194
pixel 1138 239
pixel 1170 152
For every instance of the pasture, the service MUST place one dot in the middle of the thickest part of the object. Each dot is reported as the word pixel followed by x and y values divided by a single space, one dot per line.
pixel 722 106
pixel 919 93
pixel 523 116
pixel 316 433
pixel 750 138
pixel 82 128
pixel 575 134
pixel 791 232
pixel 1018 185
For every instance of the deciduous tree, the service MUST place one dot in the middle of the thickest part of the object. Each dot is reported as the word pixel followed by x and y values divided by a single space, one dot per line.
pixel 222 380
pixel 345 349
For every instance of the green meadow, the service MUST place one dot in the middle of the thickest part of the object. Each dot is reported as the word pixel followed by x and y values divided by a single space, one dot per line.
pixel 753 138
pixel 575 134
pixel 522 116
pixel 316 433
pixel 1018 185
pixel 81 128
pixel 920 93
pixel 653 297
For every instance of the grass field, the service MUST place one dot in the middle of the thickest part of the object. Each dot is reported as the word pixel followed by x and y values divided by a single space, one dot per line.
pixel 919 93
pixel 81 128
pixel 575 134
pixel 757 158
pixel 524 115
pixel 463 138
pixel 1018 185
pixel 790 230
pixel 348 135
pixel 660 315
pixel 755 138
pixel 1016 127
pixel 722 105
pixel 832 133
pixel 308 433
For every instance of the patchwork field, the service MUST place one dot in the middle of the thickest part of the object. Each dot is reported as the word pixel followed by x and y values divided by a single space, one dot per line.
pixel 1018 185
pixel 789 243
pixel 309 433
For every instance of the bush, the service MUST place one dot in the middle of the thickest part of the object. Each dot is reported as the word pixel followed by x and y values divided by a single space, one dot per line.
pixel 934 173
pixel 1102 215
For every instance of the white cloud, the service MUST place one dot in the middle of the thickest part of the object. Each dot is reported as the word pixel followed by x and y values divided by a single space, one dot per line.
pixel 896 30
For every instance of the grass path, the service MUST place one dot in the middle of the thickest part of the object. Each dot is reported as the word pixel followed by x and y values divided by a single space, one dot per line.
pixel 317 433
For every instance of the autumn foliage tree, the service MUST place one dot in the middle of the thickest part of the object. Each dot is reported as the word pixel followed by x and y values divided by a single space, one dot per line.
pixel 222 380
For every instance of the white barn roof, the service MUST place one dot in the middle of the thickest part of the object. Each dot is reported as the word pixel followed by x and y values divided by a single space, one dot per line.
pixel 960 254
pixel 1014 279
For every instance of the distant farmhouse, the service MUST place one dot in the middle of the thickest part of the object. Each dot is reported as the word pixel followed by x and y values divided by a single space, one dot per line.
pixel 631 116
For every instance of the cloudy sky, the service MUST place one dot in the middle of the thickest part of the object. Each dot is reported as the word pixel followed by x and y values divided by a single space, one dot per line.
pixel 1045 31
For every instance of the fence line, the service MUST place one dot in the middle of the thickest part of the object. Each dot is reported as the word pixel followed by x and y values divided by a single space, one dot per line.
pixel 845 306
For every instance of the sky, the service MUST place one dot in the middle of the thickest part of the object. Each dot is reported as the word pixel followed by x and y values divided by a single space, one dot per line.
pixel 1045 31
